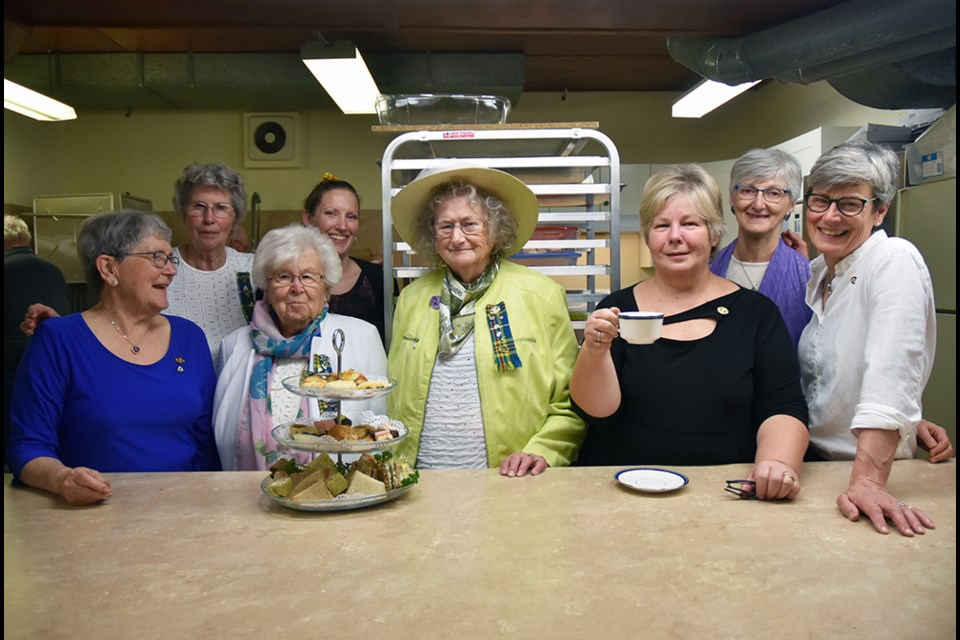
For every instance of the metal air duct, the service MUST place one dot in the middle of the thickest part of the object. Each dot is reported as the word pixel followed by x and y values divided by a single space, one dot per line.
pixel 882 53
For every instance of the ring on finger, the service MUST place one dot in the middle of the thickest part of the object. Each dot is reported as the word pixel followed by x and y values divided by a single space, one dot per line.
pixel 902 505
pixel 599 336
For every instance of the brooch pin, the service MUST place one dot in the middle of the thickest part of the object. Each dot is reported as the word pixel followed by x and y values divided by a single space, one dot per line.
pixel 179 362
pixel 435 302
pixel 723 311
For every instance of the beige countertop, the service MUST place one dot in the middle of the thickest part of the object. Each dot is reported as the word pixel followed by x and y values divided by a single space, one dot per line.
pixel 469 554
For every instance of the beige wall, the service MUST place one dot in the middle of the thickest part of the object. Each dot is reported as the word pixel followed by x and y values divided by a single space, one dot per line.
pixel 143 152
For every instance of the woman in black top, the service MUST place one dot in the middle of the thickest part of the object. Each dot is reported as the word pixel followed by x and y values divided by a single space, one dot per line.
pixel 721 386
pixel 334 207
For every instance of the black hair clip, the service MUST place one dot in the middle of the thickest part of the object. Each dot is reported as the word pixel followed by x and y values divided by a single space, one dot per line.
pixel 742 488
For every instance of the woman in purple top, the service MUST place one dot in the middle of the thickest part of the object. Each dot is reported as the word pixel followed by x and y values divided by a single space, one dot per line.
pixel 118 387
pixel 765 185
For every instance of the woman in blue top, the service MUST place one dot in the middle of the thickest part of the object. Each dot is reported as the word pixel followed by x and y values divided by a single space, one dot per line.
pixel 118 387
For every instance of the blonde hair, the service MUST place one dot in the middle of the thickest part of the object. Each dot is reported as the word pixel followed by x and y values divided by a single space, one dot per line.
pixel 692 181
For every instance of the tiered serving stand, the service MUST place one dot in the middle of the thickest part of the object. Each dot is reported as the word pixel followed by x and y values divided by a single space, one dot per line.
pixel 329 445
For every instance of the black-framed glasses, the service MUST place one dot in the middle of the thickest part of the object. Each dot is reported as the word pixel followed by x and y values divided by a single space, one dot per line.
pixel 220 210
pixel 308 280
pixel 745 489
pixel 159 258
pixel 848 205
pixel 773 195
pixel 444 230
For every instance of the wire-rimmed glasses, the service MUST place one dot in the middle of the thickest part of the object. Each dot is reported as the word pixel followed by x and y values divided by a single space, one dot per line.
pixel 308 280
pixel 159 258
pixel 773 195
pixel 445 230
pixel 220 210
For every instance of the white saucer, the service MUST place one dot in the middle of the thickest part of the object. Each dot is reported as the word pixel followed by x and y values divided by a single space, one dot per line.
pixel 652 480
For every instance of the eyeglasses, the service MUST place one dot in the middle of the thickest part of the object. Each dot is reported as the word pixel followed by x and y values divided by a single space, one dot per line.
pixel 773 195
pixel 220 210
pixel 308 280
pixel 746 489
pixel 469 228
pixel 160 259
pixel 848 206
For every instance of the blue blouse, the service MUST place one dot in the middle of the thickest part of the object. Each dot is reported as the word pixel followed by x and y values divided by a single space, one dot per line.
pixel 76 401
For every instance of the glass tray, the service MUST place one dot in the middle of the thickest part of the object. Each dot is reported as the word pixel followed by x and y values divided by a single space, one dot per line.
pixel 340 503
pixel 327 444
pixel 292 384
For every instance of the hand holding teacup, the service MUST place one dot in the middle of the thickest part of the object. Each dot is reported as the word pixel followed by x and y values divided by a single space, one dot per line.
pixel 636 327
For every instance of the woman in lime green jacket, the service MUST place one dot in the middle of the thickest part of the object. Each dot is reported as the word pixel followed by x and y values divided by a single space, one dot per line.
pixel 482 348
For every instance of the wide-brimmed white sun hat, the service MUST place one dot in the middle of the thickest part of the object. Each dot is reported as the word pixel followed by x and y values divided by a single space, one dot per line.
pixel 414 198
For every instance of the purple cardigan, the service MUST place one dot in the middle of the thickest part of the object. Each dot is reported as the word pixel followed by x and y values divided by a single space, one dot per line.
pixel 785 282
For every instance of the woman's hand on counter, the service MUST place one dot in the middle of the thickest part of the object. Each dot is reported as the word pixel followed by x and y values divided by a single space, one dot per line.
pixel 85 486
pixel 520 464
pixel 774 480
pixel 874 501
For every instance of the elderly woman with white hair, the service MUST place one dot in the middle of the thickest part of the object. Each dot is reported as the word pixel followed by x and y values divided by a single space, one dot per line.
pixel 295 266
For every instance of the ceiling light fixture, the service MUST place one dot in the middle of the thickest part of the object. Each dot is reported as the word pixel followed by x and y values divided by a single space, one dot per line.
pixel 705 97
pixel 34 105
pixel 339 67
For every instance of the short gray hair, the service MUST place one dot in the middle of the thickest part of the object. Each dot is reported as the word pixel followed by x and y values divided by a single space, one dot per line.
pixel 855 162
pixel 768 164
pixel 210 175
pixel 15 229
pixel 115 234
pixel 501 223
pixel 287 244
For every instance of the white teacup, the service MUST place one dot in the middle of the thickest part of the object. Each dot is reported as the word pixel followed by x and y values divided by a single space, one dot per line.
pixel 640 327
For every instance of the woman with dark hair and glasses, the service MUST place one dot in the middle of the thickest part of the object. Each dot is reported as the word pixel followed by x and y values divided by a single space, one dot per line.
pixel 292 327
pixel 118 387
pixel 765 185
pixel 868 350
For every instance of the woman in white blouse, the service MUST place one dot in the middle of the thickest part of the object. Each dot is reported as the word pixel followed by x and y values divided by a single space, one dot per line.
pixel 868 350
pixel 295 266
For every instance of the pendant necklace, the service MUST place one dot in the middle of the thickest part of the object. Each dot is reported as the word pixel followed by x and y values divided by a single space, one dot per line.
pixel 134 348
pixel 747 273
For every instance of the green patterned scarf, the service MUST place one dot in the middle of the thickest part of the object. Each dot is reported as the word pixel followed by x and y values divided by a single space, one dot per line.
pixel 456 308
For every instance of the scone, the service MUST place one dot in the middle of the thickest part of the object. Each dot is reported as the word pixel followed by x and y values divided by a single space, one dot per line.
pixel 313 380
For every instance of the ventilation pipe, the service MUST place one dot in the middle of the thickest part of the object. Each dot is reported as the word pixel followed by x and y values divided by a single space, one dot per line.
pixel 883 53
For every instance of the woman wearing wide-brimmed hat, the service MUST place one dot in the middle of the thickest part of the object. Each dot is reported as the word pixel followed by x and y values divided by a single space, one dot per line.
pixel 482 348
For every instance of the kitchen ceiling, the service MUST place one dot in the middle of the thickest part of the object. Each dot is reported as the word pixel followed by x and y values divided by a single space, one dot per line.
pixel 110 54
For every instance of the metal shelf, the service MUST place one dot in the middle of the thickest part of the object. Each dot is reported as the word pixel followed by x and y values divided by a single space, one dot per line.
pixel 569 166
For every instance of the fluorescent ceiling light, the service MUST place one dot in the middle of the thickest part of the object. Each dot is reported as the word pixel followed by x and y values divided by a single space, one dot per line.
pixel 343 74
pixel 705 97
pixel 34 105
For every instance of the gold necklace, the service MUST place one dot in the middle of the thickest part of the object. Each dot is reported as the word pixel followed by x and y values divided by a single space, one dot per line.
pixel 134 348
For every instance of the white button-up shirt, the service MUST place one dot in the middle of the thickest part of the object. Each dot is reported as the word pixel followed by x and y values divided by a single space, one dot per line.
pixel 866 357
